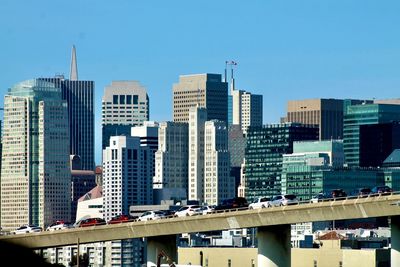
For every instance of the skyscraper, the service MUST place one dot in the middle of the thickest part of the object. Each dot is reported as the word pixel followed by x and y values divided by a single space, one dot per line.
pixel 218 184
pixel 125 104
pixel 265 148
pixel 80 98
pixel 377 142
pixel 327 114
pixel 127 180
pixel 171 161
pixel 203 90
pixel 358 115
pixel 197 119
pixel 35 182
pixel 247 109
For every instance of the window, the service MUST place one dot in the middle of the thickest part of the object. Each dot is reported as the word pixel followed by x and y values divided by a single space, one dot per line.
pixel 115 99
pixel 129 99
pixel 122 99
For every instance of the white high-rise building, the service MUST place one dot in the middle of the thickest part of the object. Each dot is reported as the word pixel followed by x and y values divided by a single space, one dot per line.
pixel 127 180
pixel 35 173
pixel 246 109
pixel 197 119
pixel 126 175
pixel 218 184
pixel 171 160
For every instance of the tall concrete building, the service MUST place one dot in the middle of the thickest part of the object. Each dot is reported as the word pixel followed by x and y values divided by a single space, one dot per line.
pixel 203 90
pixel 35 173
pixel 197 119
pixel 80 99
pixel 327 114
pixel 127 180
pixel 125 104
pixel 171 161
pixel 218 184
pixel 247 109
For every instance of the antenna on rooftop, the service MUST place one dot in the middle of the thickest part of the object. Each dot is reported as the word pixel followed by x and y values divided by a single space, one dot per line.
pixel 231 63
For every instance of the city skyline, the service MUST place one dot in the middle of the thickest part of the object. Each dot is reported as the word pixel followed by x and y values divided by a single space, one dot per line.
pixel 284 51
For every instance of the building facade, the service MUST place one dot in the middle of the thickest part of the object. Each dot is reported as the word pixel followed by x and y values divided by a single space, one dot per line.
pixel 357 115
pixel 197 119
pixel 263 157
pixel 247 109
pixel 35 180
pixel 171 161
pixel 326 113
pixel 124 104
pixel 127 180
pixel 203 90
pixel 80 99
pixel 377 142
pixel 218 184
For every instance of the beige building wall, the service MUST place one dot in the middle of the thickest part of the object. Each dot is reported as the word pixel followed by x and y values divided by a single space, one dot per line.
pixel 329 255
pixel 326 113
pixel 202 90
pixel 218 257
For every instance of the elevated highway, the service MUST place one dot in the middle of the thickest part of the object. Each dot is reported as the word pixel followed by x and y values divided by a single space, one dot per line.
pixel 368 207
pixel 272 223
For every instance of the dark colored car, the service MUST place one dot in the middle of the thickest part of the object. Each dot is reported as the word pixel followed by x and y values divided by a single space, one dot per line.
pixel 121 218
pixel 361 192
pixel 91 222
pixel 382 189
pixel 338 193
pixel 233 203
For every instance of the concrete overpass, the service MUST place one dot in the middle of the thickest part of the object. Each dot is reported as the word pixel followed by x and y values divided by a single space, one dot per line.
pixel 273 227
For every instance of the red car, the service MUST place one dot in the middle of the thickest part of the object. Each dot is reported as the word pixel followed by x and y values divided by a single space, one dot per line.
pixel 91 222
pixel 120 219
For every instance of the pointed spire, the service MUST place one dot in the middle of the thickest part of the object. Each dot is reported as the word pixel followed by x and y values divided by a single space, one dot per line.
pixel 73 74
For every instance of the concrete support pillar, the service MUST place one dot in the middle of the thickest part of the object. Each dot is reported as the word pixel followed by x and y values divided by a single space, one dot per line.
pixel 274 246
pixel 157 244
pixel 395 240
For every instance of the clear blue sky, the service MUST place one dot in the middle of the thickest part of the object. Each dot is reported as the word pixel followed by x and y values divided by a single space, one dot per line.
pixel 285 49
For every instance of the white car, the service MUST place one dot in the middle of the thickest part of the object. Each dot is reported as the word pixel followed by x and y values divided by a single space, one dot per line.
pixel 188 210
pixel 205 210
pixel 24 229
pixel 283 200
pixel 59 225
pixel 261 202
pixel 152 215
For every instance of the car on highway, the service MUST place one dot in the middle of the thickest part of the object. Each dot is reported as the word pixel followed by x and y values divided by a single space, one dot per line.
pixel 283 200
pixel 261 202
pixel 91 222
pixel 188 210
pixel 121 218
pixel 382 189
pixel 152 215
pixel 361 192
pixel 338 193
pixel 59 225
pixel 27 228
pixel 233 203
pixel 206 209
pixel 319 197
